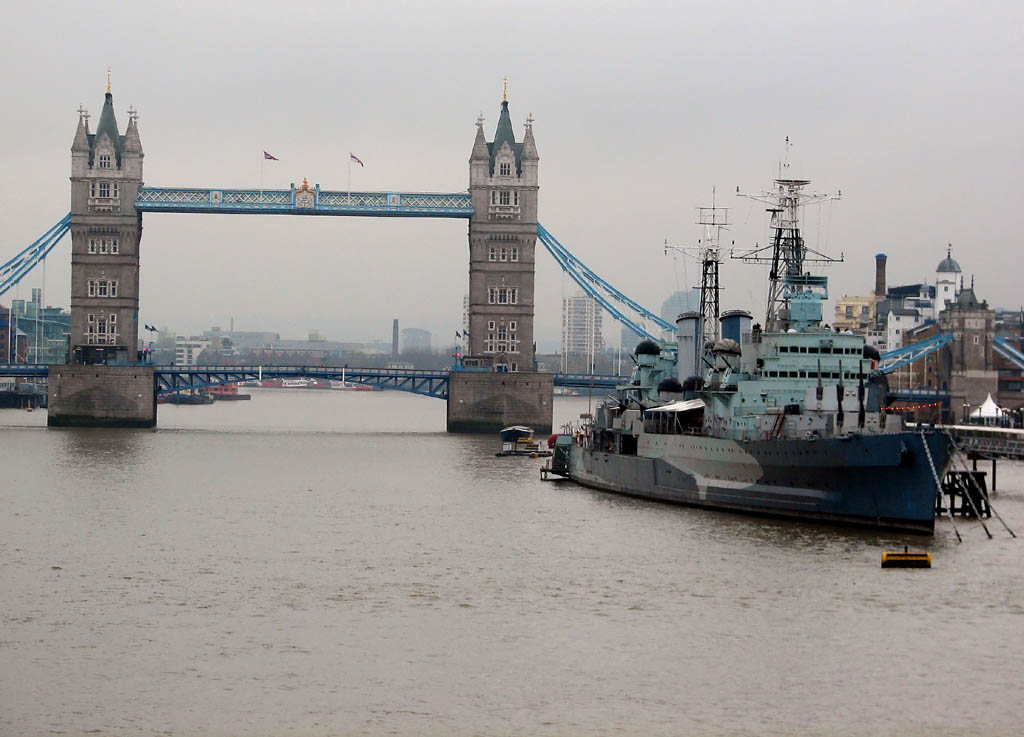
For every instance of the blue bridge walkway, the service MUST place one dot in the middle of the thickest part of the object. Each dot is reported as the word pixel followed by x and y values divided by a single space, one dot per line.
pixel 304 201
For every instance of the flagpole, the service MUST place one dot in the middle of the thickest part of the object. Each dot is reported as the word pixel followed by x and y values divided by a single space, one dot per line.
pixel 263 160
pixel 350 179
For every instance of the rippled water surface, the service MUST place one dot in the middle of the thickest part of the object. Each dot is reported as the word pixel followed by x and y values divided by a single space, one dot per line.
pixel 325 563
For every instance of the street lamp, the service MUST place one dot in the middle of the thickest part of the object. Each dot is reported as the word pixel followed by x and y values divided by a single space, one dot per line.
pixel 152 329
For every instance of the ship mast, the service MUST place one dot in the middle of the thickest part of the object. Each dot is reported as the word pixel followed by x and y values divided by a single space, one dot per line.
pixel 789 253
pixel 714 219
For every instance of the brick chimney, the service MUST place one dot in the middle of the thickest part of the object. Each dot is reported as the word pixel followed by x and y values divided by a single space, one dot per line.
pixel 880 275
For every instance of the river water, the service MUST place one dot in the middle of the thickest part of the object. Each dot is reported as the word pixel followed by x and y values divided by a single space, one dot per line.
pixel 333 563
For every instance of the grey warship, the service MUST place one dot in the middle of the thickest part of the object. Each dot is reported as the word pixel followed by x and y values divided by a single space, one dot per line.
pixel 785 421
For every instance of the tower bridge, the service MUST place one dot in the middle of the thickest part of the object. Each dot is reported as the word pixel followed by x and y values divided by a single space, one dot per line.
pixel 106 383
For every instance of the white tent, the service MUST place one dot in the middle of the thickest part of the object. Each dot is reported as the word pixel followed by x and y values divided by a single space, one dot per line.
pixel 988 410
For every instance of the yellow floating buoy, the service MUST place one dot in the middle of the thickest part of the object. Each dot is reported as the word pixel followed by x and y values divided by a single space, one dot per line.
pixel 906 560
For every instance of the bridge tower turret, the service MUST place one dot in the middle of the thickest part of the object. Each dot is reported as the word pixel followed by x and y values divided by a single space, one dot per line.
pixel 106 172
pixel 502 240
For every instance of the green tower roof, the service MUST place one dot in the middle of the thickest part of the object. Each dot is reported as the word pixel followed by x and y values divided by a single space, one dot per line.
pixel 505 133
pixel 108 125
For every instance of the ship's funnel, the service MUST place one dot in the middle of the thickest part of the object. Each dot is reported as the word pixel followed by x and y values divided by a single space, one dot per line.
pixel 687 328
pixel 735 324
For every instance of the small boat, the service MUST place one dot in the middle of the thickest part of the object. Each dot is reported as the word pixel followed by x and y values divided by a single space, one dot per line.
pixel 185 397
pixel 348 386
pixel 518 441
pixel 512 434
pixel 226 392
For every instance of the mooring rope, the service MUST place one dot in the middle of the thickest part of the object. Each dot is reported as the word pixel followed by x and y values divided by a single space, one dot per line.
pixel 938 486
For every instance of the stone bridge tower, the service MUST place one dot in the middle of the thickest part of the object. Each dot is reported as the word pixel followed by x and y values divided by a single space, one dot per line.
pixel 106 173
pixel 502 241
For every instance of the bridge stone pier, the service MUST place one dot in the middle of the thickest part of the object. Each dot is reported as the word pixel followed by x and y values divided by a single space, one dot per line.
pixel 106 386
pixel 487 402
pixel 101 396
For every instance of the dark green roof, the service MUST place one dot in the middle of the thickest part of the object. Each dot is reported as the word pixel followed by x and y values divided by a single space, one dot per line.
pixel 108 125
pixel 505 133
pixel 967 300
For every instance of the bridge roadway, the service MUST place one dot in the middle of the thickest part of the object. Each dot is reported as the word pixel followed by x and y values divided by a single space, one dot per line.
pixel 430 383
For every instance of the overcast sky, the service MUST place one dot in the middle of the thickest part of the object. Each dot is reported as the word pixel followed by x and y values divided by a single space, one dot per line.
pixel 913 110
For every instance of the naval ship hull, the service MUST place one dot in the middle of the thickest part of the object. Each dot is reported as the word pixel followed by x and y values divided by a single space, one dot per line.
pixel 877 481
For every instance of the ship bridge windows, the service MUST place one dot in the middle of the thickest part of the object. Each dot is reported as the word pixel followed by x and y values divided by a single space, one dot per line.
pixel 819 350
pixel 850 375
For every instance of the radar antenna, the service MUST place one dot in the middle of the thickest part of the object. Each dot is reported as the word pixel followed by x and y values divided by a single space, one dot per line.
pixel 714 219
pixel 788 252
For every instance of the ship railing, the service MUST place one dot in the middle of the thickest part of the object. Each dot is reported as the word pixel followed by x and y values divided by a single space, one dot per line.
pixel 661 427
